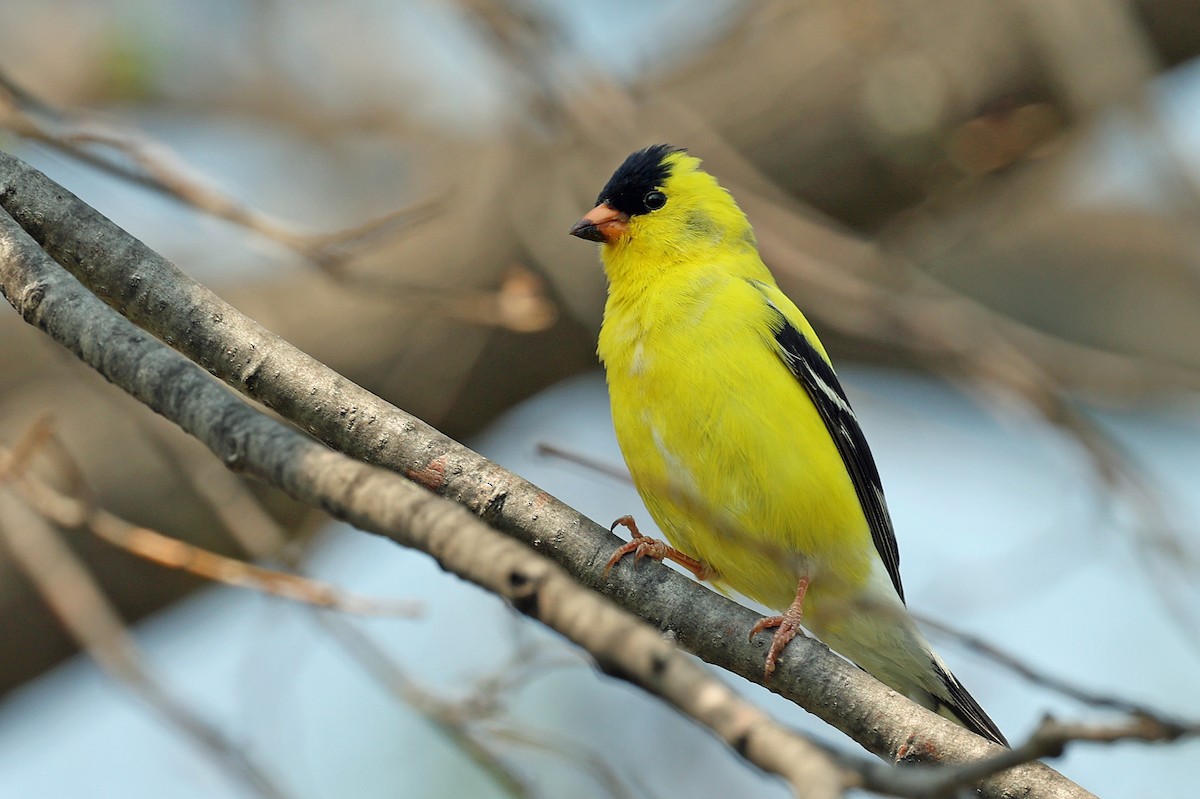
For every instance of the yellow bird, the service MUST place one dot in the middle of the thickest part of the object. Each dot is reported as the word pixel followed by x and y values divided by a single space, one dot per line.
pixel 738 434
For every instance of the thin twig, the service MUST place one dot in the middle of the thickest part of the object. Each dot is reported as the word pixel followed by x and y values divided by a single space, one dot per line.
pixel 1144 713
pixel 79 511
pixel 1050 739
pixel 574 456
pixel 449 718
pixel 531 660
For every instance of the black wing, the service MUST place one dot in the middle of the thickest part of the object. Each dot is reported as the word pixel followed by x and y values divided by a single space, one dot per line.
pixel 818 379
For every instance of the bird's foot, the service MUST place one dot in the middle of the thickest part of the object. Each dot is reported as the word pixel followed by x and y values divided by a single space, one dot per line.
pixel 785 626
pixel 645 547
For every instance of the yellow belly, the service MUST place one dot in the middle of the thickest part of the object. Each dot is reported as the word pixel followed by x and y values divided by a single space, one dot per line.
pixel 733 461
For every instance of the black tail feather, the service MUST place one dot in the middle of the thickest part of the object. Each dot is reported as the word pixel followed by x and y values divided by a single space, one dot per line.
pixel 967 711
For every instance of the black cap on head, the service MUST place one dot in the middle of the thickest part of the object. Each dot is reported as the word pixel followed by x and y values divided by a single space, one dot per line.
pixel 642 173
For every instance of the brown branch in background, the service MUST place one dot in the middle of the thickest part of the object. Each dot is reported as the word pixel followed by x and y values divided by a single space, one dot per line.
pixel 151 164
pixel 529 44
pixel 447 717
pixel 175 554
pixel 1070 33
pixel 574 456
pixel 65 585
pixel 232 502
pixel 335 252
pixel 520 303
pixel 1154 724
pixel 75 510
pixel 529 661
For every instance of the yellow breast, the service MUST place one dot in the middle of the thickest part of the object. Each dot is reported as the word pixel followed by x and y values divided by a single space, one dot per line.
pixel 725 447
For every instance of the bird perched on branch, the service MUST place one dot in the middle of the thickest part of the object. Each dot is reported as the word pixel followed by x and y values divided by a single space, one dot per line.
pixel 738 434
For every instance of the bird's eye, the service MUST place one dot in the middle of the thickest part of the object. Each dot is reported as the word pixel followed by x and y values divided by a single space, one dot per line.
pixel 655 200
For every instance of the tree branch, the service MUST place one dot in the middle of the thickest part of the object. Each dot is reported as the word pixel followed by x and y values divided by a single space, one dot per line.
pixel 384 503
pixel 154 294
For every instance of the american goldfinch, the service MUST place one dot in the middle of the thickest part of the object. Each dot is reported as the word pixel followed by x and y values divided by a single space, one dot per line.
pixel 738 435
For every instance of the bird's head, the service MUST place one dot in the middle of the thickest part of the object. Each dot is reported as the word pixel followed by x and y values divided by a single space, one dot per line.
pixel 661 208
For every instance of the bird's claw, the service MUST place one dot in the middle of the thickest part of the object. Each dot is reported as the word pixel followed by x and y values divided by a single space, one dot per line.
pixel 643 546
pixel 785 631
pixel 785 626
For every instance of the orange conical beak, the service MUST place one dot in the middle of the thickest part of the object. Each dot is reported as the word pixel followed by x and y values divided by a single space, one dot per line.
pixel 603 223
